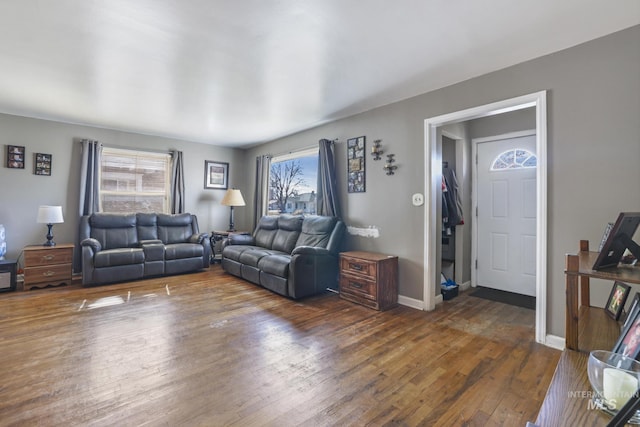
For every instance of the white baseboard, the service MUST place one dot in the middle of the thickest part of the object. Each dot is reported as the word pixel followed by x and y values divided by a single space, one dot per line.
pixel 554 341
pixel 465 286
pixel 410 302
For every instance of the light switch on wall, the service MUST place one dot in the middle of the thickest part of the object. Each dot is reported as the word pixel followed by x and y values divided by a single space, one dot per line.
pixel 417 199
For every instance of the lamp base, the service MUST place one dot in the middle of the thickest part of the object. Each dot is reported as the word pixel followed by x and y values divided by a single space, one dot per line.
pixel 231 224
pixel 49 241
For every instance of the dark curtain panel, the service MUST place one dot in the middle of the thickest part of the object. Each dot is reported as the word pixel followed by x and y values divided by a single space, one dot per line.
pixel 90 154
pixel 177 183
pixel 261 202
pixel 327 194
pixel 89 173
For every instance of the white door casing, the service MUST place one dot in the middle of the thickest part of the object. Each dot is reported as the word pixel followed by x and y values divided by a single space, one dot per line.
pixel 504 237
pixel 433 169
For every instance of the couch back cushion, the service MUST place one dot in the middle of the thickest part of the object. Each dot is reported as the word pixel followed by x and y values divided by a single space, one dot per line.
pixel 147 226
pixel 176 228
pixel 289 227
pixel 266 231
pixel 114 230
pixel 316 231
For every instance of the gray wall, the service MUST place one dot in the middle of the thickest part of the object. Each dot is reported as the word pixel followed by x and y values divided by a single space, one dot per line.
pixel 21 192
pixel 593 154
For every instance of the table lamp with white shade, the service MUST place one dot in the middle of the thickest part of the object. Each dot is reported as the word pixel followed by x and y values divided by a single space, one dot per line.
pixel 50 215
pixel 233 197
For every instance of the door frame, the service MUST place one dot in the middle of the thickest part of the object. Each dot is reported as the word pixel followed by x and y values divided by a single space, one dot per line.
pixel 474 190
pixel 433 170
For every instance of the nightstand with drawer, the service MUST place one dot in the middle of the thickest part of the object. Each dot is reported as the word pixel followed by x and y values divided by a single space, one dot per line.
pixel 48 265
pixel 369 278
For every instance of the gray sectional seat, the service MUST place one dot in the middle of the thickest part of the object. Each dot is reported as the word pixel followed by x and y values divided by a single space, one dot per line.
pixel 119 247
pixel 292 255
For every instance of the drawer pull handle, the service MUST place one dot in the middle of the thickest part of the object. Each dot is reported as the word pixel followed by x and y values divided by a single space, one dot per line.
pixel 355 285
pixel 48 257
pixel 356 267
pixel 48 273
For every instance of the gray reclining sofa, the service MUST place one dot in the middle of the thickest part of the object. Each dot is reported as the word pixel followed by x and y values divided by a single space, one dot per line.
pixel 292 255
pixel 120 247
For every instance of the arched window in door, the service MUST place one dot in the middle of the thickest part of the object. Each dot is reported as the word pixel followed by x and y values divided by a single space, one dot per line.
pixel 516 158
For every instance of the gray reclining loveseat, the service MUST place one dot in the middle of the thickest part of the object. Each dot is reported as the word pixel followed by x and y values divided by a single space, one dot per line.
pixel 119 247
pixel 292 255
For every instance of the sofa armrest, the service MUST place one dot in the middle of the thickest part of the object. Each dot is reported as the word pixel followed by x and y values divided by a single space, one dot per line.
pixel 240 239
pixel 310 250
pixel 199 238
pixel 92 243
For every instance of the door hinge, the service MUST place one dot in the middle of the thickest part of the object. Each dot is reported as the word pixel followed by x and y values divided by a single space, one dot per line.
pixel 476 264
pixel 476 211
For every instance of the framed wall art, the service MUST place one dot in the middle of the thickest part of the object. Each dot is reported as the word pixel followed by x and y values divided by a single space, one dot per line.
pixel 356 178
pixel 15 156
pixel 42 165
pixel 216 175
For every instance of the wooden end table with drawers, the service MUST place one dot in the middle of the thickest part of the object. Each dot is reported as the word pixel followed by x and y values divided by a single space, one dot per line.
pixel 369 278
pixel 48 265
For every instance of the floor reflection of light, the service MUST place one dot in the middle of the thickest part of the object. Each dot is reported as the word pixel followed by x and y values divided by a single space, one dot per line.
pixel 131 346
pixel 106 302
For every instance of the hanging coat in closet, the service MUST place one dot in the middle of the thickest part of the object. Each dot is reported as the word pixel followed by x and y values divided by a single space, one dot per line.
pixel 451 201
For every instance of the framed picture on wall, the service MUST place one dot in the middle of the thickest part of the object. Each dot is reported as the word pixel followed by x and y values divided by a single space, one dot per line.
pixel 356 178
pixel 42 164
pixel 15 156
pixel 216 175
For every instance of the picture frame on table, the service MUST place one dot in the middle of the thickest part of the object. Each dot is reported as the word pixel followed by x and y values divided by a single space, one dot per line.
pixel 216 175
pixel 635 305
pixel 15 156
pixel 617 299
pixel 628 342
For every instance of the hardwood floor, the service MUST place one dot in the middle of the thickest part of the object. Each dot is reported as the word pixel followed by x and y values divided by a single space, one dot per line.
pixel 210 349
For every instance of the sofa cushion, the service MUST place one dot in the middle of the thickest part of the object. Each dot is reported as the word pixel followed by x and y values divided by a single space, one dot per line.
pixel 316 231
pixel 116 257
pixel 174 228
pixel 276 264
pixel 233 252
pixel 147 226
pixel 183 250
pixel 114 231
pixel 252 256
pixel 266 231
pixel 289 227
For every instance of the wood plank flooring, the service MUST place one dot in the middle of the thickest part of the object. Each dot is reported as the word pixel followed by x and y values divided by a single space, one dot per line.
pixel 208 349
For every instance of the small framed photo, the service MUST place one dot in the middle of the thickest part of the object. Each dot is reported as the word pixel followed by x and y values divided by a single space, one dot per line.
pixel 216 175
pixel 42 164
pixel 15 156
pixel 617 298
pixel 635 305
pixel 628 343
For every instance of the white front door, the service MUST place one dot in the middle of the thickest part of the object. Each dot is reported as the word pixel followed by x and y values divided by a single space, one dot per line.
pixel 505 237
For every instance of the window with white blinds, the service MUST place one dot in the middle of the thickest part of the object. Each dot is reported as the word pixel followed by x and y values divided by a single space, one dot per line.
pixel 134 181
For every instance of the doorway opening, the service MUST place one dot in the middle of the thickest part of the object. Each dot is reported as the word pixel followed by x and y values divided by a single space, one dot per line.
pixel 433 172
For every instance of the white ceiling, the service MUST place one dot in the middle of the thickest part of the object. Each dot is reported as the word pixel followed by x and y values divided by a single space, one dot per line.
pixel 236 73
